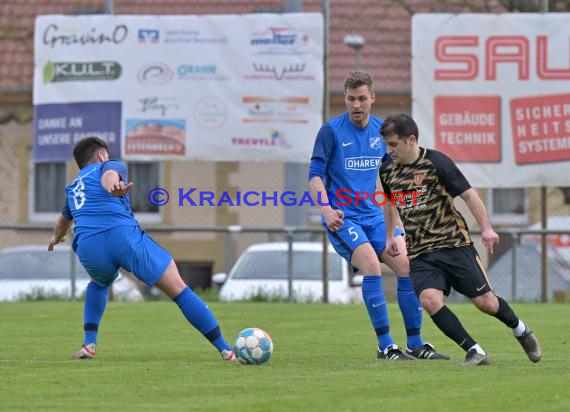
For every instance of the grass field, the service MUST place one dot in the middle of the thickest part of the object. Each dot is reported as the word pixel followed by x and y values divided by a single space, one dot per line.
pixel 149 358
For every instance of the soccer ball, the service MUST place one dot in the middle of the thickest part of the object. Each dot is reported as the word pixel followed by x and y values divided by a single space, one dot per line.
pixel 253 346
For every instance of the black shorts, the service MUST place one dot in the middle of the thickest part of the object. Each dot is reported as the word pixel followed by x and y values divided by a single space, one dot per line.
pixel 459 268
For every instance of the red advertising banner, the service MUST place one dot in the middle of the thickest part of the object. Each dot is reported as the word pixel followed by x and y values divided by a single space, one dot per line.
pixel 468 128
pixel 541 128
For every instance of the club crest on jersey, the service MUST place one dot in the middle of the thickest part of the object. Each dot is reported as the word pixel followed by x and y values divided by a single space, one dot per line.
pixel 419 178
pixel 375 142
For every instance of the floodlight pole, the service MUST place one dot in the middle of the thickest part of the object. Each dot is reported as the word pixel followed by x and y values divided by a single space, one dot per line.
pixel 325 11
pixel 544 219
pixel 356 42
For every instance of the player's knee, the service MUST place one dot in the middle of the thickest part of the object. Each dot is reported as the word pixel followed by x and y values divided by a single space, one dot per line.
pixel 369 267
pixel 431 301
pixel 487 303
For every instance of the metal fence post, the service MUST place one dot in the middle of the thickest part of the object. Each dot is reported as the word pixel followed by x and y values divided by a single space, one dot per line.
pixel 514 247
pixel 325 268
pixel 290 265
pixel 73 267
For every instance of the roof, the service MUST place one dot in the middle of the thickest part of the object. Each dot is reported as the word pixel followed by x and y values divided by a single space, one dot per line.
pixel 297 246
pixel 384 24
pixel 385 27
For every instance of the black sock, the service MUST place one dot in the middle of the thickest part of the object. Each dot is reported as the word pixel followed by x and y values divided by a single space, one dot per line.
pixel 506 314
pixel 450 325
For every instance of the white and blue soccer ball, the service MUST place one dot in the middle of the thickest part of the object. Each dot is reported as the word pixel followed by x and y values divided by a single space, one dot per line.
pixel 253 346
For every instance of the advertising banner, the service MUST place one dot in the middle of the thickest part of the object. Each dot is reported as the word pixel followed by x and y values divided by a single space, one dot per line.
pixel 215 87
pixel 493 93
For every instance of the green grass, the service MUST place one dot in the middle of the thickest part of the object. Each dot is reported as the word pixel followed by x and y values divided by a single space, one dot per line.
pixel 149 358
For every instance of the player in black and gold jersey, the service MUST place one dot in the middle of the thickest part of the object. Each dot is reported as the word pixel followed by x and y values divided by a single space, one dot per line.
pixel 422 184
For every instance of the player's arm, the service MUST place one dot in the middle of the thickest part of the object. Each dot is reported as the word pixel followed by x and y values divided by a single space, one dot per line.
pixel 457 185
pixel 324 146
pixel 112 178
pixel 333 218
pixel 61 226
pixel 391 215
pixel 59 231
pixel 479 211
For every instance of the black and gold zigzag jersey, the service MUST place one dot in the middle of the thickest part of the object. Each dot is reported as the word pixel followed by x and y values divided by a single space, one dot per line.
pixel 426 189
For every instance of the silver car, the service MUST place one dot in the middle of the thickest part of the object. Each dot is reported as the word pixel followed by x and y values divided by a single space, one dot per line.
pixel 31 272
pixel 261 272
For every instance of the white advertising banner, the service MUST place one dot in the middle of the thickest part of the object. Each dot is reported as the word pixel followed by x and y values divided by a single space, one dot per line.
pixel 493 93
pixel 215 87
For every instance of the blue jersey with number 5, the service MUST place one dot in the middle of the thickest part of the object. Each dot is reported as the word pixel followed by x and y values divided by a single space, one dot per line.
pixel 352 156
pixel 93 209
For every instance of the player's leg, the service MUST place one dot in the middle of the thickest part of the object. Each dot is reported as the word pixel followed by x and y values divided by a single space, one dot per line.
pixel 407 299
pixel 93 255
pixel 352 243
pixel 153 265
pixel 193 308
pixel 431 284
pixel 477 287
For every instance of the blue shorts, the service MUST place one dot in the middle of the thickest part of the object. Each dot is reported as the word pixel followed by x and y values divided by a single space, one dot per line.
pixel 127 247
pixel 356 231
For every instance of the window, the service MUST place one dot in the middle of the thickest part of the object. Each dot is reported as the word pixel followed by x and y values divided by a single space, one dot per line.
pixel 146 176
pixel 46 190
pixel 508 206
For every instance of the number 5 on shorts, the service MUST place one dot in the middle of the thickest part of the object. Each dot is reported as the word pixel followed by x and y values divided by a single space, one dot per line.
pixel 352 233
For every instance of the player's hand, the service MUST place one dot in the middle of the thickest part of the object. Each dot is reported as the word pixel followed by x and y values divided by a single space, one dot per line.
pixel 119 189
pixel 334 219
pixel 490 238
pixel 53 241
pixel 392 247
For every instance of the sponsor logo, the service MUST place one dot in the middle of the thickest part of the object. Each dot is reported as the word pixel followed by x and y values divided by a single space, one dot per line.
pixel 278 40
pixel 279 72
pixel 155 104
pixel 80 71
pixel 210 112
pixel 191 36
pixel 276 138
pixel 362 163
pixel 155 137
pixel 155 73
pixel 200 72
pixel 149 36
pixel 345 144
pixel 53 36
pixel 260 109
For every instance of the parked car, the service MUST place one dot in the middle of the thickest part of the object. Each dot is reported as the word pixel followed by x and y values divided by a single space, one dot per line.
pixel 262 271
pixel 32 272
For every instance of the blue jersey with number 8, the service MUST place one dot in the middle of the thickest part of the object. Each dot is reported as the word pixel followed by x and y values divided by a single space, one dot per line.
pixel 93 209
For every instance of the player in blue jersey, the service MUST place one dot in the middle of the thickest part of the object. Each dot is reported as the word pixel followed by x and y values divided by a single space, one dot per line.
pixel 344 167
pixel 108 237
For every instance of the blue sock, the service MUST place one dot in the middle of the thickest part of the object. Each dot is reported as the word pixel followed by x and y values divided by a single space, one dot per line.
pixel 201 317
pixel 411 312
pixel 95 303
pixel 375 302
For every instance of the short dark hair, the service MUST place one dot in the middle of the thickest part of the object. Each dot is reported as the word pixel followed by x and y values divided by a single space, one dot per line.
pixel 85 150
pixel 399 124
pixel 359 78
